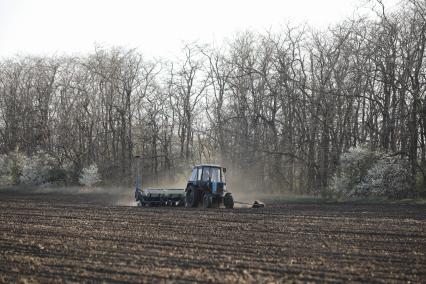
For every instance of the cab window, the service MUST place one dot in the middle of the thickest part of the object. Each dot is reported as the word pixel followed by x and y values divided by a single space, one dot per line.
pixel 206 174
pixel 211 174
pixel 199 174
pixel 215 174
pixel 193 175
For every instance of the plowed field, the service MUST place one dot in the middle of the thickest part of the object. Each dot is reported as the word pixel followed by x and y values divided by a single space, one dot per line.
pixel 86 238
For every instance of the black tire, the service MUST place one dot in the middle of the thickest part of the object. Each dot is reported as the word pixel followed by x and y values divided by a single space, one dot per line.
pixel 207 200
pixel 192 198
pixel 141 202
pixel 228 201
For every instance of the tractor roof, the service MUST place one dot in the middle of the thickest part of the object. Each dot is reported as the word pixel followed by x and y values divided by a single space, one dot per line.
pixel 208 165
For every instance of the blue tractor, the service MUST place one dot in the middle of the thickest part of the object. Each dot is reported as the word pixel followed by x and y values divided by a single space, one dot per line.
pixel 207 186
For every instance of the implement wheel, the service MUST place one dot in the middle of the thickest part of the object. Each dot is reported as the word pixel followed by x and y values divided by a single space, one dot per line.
pixel 192 198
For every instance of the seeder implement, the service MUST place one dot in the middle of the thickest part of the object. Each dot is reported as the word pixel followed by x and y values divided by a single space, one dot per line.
pixel 160 197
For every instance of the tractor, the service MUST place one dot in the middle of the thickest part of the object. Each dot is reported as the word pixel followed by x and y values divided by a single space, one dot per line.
pixel 207 186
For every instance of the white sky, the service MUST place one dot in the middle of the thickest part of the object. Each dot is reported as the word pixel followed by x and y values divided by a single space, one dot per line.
pixel 156 27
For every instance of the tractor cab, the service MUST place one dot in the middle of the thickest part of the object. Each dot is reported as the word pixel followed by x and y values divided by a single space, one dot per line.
pixel 211 177
pixel 207 184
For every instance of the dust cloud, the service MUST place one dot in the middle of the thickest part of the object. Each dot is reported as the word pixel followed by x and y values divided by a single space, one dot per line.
pixel 239 183
pixel 107 195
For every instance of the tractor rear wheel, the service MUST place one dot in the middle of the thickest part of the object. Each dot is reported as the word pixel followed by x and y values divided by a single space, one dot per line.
pixel 228 201
pixel 192 198
pixel 207 200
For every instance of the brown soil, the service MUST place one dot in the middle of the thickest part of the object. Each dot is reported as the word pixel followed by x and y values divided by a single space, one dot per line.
pixel 85 238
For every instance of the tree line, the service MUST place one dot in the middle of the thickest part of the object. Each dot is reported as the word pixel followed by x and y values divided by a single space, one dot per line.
pixel 277 108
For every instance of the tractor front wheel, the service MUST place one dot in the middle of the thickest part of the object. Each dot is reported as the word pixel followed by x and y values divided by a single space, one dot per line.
pixel 228 201
pixel 192 198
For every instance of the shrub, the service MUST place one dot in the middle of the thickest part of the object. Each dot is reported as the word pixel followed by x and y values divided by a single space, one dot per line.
pixel 37 169
pixel 5 170
pixel 11 166
pixel 389 177
pixel 353 167
pixel 90 175
pixel 365 173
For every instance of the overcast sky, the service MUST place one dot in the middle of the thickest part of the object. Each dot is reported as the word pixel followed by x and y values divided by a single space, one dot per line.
pixel 156 27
